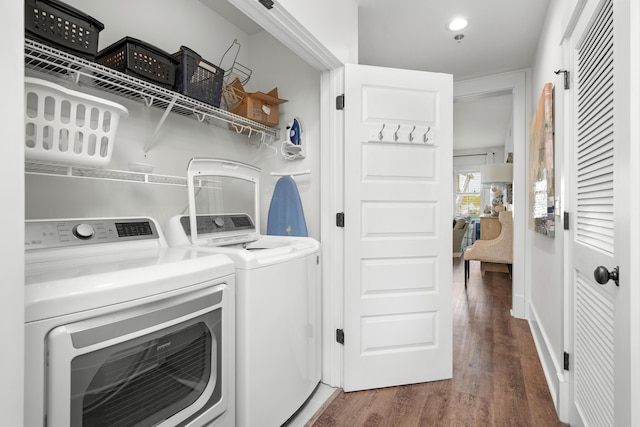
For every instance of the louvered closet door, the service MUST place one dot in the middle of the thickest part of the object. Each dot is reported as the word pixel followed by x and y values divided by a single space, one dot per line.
pixel 596 236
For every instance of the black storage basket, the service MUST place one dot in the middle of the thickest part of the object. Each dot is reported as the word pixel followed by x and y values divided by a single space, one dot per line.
pixel 198 78
pixel 61 26
pixel 136 58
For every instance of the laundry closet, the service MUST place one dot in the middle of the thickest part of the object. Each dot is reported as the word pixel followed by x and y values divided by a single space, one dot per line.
pixel 107 164
pixel 163 146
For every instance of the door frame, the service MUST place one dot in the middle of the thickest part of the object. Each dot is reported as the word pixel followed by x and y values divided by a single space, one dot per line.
pixel 516 83
pixel 284 27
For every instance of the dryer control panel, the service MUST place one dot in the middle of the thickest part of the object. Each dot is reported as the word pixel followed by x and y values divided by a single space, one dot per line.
pixel 41 234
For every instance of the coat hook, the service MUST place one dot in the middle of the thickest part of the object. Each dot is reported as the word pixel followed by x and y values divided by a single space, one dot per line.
pixel 395 134
pixel 425 138
pixel 380 136
pixel 411 134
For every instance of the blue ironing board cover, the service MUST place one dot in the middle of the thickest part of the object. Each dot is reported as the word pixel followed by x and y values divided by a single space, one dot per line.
pixel 286 217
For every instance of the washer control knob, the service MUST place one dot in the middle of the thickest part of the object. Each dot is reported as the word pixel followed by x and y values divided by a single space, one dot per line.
pixel 219 222
pixel 83 231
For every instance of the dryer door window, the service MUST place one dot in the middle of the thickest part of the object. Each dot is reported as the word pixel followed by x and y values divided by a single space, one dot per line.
pixel 148 381
pixel 155 364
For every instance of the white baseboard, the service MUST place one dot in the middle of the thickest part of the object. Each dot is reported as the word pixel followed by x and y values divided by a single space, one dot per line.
pixel 518 307
pixel 553 370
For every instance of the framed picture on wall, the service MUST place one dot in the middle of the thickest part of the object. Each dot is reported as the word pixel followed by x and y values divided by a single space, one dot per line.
pixel 541 174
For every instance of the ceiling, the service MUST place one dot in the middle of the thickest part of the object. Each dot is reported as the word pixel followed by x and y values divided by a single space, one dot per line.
pixel 482 122
pixel 502 36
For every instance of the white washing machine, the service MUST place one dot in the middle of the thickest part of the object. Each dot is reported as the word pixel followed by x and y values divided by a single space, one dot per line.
pixel 278 294
pixel 122 330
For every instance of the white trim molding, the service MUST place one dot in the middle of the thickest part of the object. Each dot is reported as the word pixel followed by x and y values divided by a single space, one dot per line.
pixel 553 369
pixel 283 26
pixel 332 237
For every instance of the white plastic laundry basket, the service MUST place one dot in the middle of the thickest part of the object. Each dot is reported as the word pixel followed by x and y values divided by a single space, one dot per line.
pixel 65 126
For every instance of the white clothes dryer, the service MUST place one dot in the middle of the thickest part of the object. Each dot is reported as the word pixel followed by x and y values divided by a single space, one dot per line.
pixel 122 330
pixel 278 294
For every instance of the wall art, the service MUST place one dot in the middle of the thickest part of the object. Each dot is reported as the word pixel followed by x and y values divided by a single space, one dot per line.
pixel 541 173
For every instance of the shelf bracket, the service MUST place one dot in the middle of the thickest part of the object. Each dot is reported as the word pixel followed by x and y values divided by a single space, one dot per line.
pixel 154 138
pixel 200 116
pixel 148 99
pixel 75 76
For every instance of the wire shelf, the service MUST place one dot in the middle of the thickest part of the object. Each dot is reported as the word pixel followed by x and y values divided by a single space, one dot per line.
pixel 37 168
pixel 47 60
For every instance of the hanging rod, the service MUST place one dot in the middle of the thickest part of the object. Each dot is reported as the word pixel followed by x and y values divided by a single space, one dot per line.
pixel 304 172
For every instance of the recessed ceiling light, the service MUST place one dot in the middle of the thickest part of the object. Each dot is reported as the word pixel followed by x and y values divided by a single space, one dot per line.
pixel 458 24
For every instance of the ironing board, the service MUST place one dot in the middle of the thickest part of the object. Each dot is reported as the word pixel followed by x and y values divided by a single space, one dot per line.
pixel 286 216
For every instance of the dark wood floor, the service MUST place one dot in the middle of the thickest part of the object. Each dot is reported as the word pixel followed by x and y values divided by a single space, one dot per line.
pixel 497 377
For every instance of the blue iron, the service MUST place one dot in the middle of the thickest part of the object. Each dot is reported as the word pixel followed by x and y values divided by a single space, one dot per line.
pixel 293 133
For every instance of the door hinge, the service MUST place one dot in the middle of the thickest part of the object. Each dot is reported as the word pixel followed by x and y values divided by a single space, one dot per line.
pixel 340 102
pixel 267 3
pixel 566 361
pixel 340 336
pixel 565 222
pixel 340 219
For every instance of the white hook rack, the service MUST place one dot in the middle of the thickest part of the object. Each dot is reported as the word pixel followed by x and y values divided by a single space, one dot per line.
pixel 402 134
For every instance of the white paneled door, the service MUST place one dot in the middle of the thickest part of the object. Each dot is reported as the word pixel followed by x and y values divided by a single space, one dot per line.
pixel 398 190
pixel 599 242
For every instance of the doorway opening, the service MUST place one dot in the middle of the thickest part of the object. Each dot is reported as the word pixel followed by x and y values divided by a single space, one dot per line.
pixel 474 101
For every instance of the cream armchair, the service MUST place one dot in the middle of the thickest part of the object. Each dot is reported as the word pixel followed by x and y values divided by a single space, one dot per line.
pixel 498 250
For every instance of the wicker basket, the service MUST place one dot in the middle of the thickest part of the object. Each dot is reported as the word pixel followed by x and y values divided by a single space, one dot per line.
pixel 65 126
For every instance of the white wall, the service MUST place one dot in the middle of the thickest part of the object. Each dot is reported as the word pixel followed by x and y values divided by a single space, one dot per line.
pixel 166 24
pixel 275 65
pixel 332 22
pixel 11 226
pixel 546 253
pixel 182 138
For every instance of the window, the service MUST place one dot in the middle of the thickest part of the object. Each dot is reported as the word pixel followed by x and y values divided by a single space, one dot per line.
pixel 468 189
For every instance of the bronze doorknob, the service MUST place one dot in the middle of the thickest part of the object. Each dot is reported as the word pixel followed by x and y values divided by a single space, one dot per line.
pixel 603 275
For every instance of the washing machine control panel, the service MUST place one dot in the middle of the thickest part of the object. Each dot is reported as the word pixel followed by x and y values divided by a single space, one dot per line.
pixel 224 223
pixel 40 234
